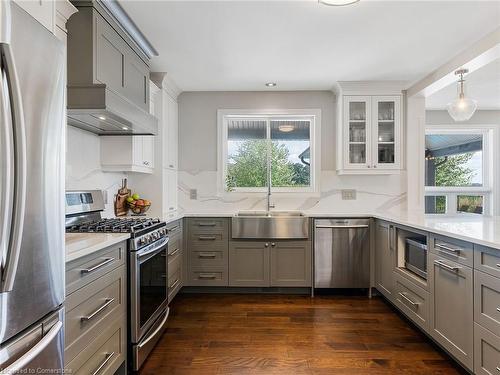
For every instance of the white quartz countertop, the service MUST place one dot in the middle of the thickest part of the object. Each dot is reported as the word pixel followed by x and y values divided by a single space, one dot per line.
pixel 478 229
pixel 81 244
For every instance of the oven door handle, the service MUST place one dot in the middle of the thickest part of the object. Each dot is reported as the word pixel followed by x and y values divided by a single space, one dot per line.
pixel 161 244
pixel 152 335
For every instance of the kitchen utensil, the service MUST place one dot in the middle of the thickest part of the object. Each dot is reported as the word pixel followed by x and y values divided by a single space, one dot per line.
pixel 121 207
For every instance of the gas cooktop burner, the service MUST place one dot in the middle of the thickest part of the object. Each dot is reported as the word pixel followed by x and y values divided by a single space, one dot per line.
pixel 116 225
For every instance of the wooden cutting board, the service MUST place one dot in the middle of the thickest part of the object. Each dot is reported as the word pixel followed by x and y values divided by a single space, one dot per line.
pixel 121 206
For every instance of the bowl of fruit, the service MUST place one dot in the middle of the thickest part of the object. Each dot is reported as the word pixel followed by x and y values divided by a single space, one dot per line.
pixel 138 205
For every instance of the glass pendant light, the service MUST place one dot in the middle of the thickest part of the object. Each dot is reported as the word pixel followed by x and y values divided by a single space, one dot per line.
pixel 462 108
pixel 337 2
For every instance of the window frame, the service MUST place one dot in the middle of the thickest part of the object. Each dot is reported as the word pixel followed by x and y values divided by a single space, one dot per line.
pixel 314 115
pixel 452 192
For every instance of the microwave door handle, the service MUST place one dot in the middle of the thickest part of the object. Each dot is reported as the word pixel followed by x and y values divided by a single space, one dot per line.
pixel 19 132
pixel 35 351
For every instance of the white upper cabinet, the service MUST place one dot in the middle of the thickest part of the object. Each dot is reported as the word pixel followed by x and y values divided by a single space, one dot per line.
pixel 171 133
pixel 369 128
pixel 127 153
pixel 52 14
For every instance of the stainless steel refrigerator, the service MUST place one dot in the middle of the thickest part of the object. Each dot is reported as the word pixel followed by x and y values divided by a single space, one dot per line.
pixel 32 137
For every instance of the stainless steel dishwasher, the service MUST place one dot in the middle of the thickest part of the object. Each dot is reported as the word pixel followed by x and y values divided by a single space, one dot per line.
pixel 342 253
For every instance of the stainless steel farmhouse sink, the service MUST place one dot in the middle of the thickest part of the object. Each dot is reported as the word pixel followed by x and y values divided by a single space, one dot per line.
pixel 270 225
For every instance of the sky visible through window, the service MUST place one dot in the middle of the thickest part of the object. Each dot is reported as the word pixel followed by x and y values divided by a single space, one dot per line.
pixel 476 164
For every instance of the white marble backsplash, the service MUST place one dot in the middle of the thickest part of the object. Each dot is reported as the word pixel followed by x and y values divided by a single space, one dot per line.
pixel 373 193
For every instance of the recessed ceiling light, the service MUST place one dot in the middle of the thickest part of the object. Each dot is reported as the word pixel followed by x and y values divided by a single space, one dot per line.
pixel 271 84
pixel 337 3
pixel 102 118
pixel 286 128
pixel 124 128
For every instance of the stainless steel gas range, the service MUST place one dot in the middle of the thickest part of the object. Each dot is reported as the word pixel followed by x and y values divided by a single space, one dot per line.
pixel 147 267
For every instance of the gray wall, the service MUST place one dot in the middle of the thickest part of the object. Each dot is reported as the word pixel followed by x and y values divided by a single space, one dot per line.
pixel 483 117
pixel 198 121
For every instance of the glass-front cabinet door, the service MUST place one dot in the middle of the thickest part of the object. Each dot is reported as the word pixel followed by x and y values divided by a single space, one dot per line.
pixel 357 117
pixel 386 114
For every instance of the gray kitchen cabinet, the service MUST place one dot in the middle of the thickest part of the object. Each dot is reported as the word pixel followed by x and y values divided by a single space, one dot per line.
pixel 291 264
pixel 451 307
pixel 207 247
pixel 99 54
pixel 96 312
pixel 175 259
pixel 249 263
pixel 412 300
pixel 487 301
pixel 486 351
pixel 384 258
pixel 487 260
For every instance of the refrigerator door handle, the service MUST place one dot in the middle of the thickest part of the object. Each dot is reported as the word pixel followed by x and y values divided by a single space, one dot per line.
pixel 35 351
pixel 11 258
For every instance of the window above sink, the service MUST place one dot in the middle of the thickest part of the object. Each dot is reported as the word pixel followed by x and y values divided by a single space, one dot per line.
pixel 257 146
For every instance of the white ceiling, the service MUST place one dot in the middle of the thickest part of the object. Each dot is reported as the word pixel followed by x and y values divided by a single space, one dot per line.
pixel 303 45
pixel 482 85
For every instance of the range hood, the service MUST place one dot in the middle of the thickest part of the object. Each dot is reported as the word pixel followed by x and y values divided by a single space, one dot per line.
pixel 98 109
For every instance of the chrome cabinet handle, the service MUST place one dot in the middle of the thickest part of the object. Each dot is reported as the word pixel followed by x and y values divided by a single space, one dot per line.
pixel 171 165
pixel 207 276
pixel 405 297
pixel 145 162
pixel 374 166
pixel 174 228
pixel 266 245
pixel 34 352
pixel 207 238
pixel 104 363
pixel 498 309
pixel 171 208
pixel 273 244
pixel 174 252
pixel 174 285
pixel 97 266
pixel 369 166
pixel 11 258
pixel 108 302
pixel 206 255
pixel 207 224
pixel 447 248
pixel 498 265
pixel 341 226
pixel 440 263
pixel 498 369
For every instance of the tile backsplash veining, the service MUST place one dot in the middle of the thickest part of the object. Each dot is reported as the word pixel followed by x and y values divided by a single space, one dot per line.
pixel 83 167
pixel 374 193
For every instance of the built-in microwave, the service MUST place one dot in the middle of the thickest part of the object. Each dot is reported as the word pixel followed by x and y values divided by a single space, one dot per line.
pixel 416 256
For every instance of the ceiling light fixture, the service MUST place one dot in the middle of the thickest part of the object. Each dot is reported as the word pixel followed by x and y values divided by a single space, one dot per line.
pixel 271 84
pixel 124 128
pixel 337 3
pixel 102 118
pixel 462 108
pixel 286 128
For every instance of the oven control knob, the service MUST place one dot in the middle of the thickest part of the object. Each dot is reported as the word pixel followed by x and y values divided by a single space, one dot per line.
pixel 141 241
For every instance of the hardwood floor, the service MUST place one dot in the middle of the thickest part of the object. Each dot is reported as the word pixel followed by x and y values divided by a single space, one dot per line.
pixel 294 335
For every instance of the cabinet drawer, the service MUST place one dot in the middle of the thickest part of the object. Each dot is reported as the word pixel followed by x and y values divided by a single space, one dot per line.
pixel 413 301
pixel 202 241
pixel 174 228
pixel 213 225
pixel 174 284
pixel 451 315
pixel 486 351
pixel 487 301
pixel 174 245
pixel 90 309
pixel 208 278
pixel 105 354
pixel 450 248
pixel 208 258
pixel 174 262
pixel 89 268
pixel 487 260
